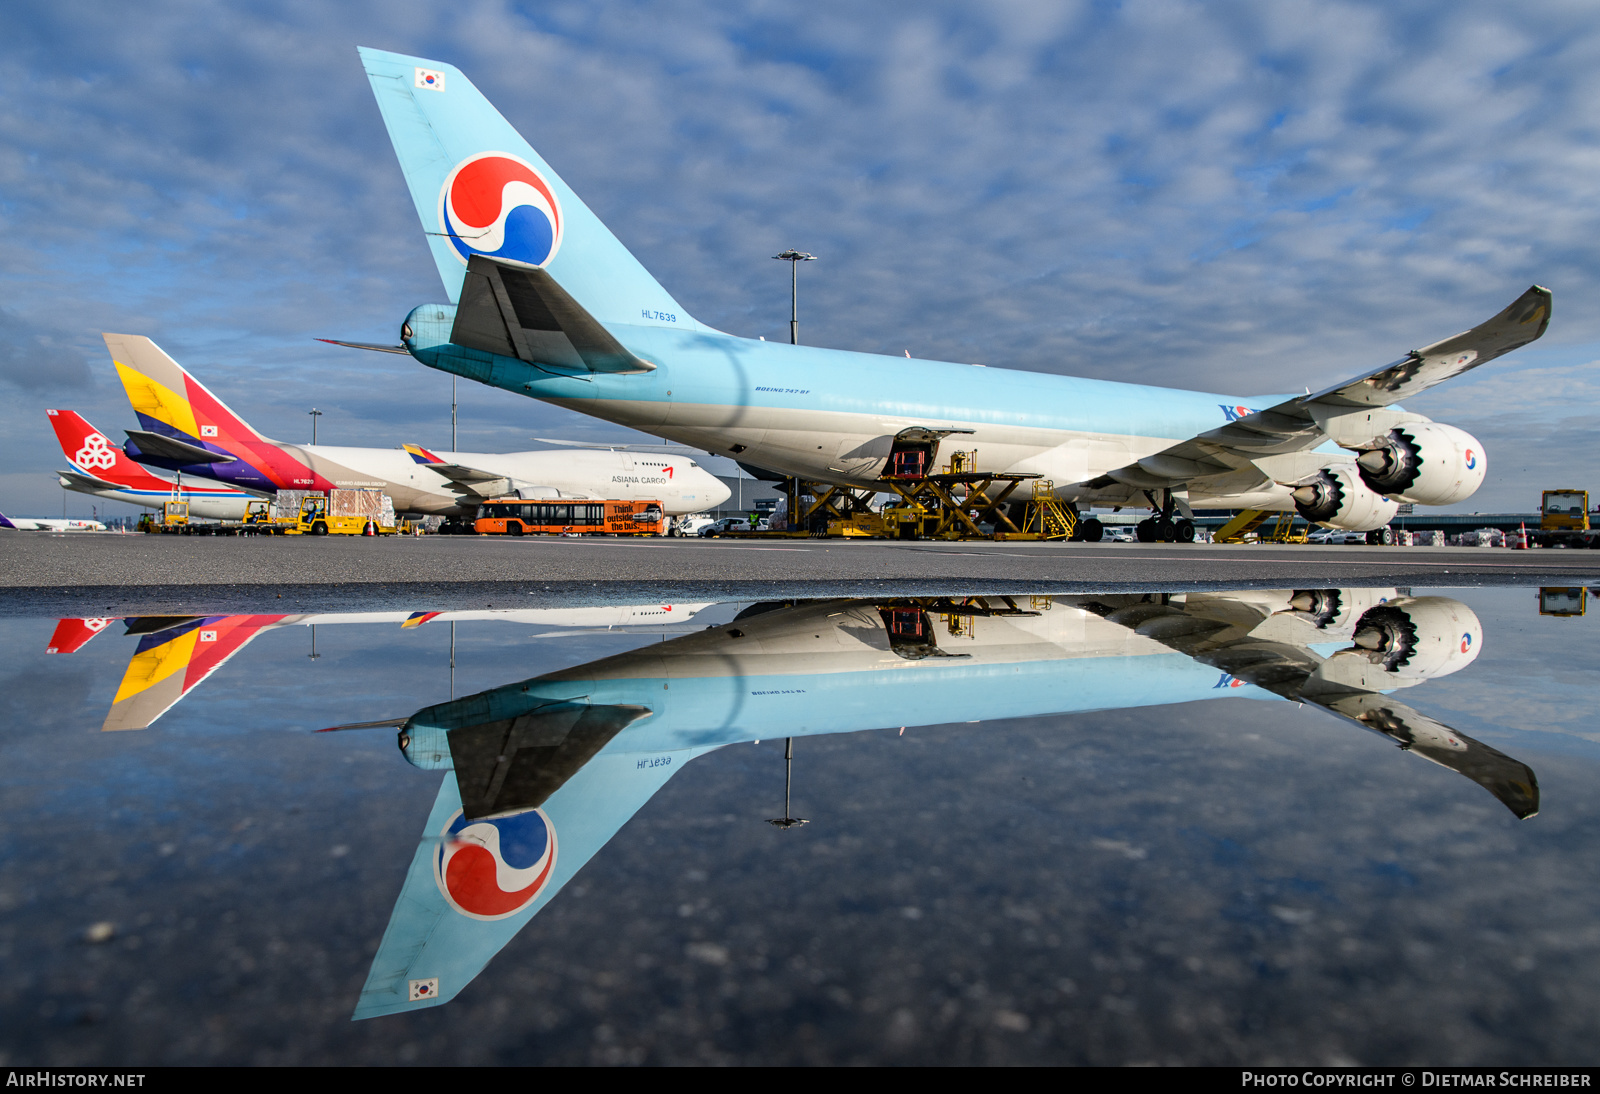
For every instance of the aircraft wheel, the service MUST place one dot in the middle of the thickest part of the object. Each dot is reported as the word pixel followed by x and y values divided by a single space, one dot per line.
pixel 514 528
pixel 1092 531
pixel 1145 530
pixel 1185 530
pixel 1166 531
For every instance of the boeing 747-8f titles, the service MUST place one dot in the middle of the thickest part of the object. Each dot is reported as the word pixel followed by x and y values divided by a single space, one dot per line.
pixel 185 428
pixel 546 302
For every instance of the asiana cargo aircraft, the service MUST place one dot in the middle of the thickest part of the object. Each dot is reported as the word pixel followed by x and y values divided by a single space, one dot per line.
pixel 544 301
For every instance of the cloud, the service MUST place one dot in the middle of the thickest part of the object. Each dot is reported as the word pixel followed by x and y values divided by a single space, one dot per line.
pixel 39 360
pixel 1250 197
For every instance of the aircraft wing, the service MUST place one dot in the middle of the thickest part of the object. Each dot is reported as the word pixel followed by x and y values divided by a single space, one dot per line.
pixel 1242 447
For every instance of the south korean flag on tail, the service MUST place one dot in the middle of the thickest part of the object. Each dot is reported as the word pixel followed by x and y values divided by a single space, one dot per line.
pixel 433 81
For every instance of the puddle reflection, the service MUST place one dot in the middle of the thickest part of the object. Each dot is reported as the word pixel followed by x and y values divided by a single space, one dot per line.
pixel 541 773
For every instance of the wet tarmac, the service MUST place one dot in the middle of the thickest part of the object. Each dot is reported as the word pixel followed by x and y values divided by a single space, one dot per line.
pixel 1299 824
pixel 150 574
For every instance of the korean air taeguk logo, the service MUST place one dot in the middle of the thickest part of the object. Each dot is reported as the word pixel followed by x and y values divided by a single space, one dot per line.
pixel 496 204
pixel 492 869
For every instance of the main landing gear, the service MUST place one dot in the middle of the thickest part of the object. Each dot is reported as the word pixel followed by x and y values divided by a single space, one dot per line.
pixel 1164 527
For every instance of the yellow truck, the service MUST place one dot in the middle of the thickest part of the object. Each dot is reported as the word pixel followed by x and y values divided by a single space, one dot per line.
pixel 1564 520
pixel 346 513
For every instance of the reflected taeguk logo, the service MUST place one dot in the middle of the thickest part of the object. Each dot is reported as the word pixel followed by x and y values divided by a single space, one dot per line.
pixel 497 204
pixel 1466 643
pixel 492 869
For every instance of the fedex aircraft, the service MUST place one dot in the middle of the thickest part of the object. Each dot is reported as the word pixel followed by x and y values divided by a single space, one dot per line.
pixel 50 524
pixel 186 428
pixel 101 469
pixel 547 770
pixel 546 302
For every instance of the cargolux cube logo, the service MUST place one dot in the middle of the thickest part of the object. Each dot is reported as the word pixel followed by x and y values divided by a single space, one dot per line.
pixel 496 204
pixel 96 452
pixel 492 869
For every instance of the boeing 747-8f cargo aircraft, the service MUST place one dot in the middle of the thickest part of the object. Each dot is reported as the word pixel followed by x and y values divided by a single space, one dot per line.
pixel 546 302
pixel 186 428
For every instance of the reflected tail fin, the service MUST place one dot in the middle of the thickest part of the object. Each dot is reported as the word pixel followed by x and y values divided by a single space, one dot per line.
pixel 473 885
pixel 171 661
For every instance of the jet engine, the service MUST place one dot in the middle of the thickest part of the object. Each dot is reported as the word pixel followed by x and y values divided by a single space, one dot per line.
pixel 1338 498
pixel 1424 462
pixel 1420 638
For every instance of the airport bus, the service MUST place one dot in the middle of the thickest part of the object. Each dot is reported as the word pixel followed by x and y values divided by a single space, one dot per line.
pixel 515 517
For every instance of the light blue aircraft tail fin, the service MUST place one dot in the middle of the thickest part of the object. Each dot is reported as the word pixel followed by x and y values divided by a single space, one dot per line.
pixel 474 884
pixel 479 188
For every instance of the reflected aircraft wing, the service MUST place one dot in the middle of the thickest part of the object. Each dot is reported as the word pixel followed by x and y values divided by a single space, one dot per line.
pixel 1297 673
pixel 473 885
pixel 1296 425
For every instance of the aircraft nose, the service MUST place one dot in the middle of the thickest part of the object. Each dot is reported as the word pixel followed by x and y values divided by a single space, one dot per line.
pixel 716 491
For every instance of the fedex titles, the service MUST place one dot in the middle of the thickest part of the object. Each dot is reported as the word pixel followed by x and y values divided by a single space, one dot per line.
pixel 493 869
pixel 496 204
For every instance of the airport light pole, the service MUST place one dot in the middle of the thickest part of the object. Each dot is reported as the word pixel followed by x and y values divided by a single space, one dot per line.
pixel 452 412
pixel 794 258
pixel 315 414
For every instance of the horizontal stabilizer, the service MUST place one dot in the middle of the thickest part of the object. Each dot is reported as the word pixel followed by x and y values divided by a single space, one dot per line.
pixel 374 346
pixel 520 311
pixel 513 765
pixel 74 480
pixel 169 448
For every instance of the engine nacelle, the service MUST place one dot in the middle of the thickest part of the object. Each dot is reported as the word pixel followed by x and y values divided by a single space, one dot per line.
pixel 1420 638
pixel 1425 463
pixel 1339 499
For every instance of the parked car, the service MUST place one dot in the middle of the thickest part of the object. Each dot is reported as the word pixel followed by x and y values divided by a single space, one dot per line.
pixel 1121 535
pixel 692 525
pixel 1336 536
pixel 731 524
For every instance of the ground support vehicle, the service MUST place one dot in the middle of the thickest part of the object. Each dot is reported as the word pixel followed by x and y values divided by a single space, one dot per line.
pixel 558 517
pixel 1564 521
pixel 346 513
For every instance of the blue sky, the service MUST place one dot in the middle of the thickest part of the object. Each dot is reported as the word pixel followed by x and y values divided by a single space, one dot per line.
pixel 1242 197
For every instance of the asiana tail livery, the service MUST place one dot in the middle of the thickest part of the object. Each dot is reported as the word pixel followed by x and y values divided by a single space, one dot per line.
pixel 546 302
pixel 187 429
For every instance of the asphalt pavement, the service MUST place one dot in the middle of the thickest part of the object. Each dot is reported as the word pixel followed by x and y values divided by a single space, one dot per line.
pixel 116 574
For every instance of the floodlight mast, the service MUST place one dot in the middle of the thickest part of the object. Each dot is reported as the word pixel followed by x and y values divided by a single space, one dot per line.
pixel 315 414
pixel 794 258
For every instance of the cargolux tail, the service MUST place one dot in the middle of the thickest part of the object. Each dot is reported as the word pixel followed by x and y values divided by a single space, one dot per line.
pixel 91 453
pixel 480 189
